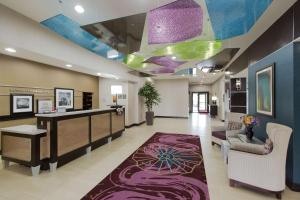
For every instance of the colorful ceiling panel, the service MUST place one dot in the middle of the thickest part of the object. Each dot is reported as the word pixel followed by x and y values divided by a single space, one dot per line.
pixel 175 22
pixel 191 50
pixel 71 30
pixel 230 18
pixel 163 70
pixel 180 33
pixel 164 61
pixel 135 61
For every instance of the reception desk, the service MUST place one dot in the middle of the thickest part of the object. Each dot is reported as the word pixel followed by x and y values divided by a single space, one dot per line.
pixel 72 134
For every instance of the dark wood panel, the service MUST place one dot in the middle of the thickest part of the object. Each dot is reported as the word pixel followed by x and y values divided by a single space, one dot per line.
pixel 239 109
pixel 297 19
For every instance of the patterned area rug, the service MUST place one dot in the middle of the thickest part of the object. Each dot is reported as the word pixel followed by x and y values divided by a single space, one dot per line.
pixel 166 167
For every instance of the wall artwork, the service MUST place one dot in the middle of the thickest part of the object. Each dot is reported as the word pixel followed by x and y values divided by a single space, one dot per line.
pixel 265 91
pixel 64 98
pixel 44 106
pixel 21 104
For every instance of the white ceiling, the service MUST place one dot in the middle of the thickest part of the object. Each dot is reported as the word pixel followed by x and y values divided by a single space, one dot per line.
pixel 95 10
pixel 102 10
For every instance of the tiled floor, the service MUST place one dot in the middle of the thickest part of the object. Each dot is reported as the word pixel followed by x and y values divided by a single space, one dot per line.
pixel 75 179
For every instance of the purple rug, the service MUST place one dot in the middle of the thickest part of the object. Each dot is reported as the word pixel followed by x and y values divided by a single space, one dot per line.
pixel 166 167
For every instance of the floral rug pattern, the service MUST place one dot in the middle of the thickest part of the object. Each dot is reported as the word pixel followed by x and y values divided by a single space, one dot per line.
pixel 166 167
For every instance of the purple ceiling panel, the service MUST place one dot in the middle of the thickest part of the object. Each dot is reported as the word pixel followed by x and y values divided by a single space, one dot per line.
pixel 163 70
pixel 164 61
pixel 175 22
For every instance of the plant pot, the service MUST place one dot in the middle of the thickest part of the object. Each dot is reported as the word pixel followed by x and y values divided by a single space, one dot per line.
pixel 249 133
pixel 149 118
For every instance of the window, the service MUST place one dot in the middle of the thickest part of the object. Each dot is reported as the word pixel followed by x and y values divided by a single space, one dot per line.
pixel 116 89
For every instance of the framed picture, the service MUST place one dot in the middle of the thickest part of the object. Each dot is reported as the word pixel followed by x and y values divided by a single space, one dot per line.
pixel 44 105
pixel 64 98
pixel 265 91
pixel 21 104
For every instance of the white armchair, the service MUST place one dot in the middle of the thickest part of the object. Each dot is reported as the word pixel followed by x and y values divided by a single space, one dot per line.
pixel 265 172
pixel 216 130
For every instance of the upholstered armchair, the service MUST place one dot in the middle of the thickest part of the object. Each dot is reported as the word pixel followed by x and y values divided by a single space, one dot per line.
pixel 266 172
pixel 220 133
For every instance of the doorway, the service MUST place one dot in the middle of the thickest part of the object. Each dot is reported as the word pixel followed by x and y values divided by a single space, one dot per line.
pixel 200 102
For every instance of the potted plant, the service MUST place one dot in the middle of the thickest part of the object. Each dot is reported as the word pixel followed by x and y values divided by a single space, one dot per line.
pixel 152 97
pixel 250 122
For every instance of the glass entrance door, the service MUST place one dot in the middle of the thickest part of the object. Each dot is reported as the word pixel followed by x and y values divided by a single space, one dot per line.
pixel 203 102
pixel 200 102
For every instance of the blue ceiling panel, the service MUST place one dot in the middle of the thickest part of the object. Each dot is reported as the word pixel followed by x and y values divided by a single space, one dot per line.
pixel 71 30
pixel 230 18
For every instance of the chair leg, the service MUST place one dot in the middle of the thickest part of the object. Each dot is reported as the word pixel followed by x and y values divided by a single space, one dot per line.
pixel 278 195
pixel 231 183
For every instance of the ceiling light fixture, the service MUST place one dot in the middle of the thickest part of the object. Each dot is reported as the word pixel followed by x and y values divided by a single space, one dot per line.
pixel 99 74
pixel 69 65
pixel 205 69
pixel 10 50
pixel 79 9
pixel 228 72
pixel 173 57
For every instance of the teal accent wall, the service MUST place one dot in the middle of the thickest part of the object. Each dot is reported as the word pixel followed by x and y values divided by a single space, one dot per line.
pixel 287 101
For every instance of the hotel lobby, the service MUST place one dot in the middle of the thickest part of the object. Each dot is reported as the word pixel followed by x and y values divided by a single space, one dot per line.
pixel 143 99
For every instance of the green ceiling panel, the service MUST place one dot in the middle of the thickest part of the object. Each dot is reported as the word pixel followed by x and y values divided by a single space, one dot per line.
pixel 135 61
pixel 191 50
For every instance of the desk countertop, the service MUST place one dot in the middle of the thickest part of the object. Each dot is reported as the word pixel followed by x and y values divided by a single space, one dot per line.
pixel 24 129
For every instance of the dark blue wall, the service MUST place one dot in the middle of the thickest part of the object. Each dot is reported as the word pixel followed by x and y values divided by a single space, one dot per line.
pixel 296 136
pixel 287 103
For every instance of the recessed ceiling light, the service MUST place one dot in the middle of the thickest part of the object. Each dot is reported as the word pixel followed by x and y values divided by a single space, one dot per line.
pixel 10 50
pixel 69 65
pixel 214 73
pixel 117 78
pixel 79 9
pixel 99 74
pixel 173 57
pixel 227 72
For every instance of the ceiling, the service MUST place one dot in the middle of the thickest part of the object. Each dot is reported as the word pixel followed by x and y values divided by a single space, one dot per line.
pixel 219 25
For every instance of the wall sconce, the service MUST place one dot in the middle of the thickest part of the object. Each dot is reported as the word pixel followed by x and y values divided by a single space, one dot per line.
pixel 214 99
pixel 238 84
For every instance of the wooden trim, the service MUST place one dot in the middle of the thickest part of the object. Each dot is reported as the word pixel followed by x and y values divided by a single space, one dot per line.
pixel 10 118
pixel 135 124
pixel 70 156
pixel 99 142
pixel 117 135
pixel 175 117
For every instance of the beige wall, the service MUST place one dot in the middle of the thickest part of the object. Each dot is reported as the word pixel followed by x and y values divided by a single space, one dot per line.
pixel 174 98
pixel 19 72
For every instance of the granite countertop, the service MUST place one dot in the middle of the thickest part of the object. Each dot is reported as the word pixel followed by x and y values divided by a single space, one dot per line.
pixel 24 129
pixel 71 113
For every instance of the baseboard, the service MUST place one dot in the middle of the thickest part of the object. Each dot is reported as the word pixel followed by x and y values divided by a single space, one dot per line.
pixel 293 186
pixel 135 124
pixel 176 117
